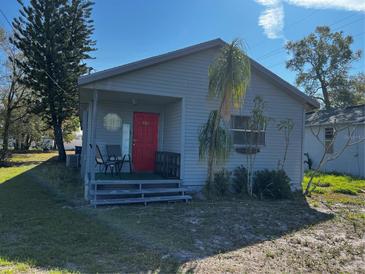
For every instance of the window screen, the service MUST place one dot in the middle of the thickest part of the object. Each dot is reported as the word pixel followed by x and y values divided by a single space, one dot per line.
pixel 243 135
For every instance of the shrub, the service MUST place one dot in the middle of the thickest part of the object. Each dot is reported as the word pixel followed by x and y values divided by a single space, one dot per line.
pixel 239 181
pixel 221 182
pixel 271 184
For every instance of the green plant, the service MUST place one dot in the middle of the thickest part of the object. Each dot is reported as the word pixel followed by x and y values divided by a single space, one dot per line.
pixel 221 182
pixel 271 184
pixel 214 143
pixel 322 61
pixel 229 77
pixel 239 180
pixel 55 38
pixel 257 123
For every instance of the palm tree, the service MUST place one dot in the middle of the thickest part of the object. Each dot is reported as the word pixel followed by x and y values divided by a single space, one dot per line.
pixel 229 76
pixel 214 142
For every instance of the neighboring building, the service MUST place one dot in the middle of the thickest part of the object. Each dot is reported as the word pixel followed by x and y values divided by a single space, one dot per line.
pixel 76 141
pixel 161 103
pixel 323 124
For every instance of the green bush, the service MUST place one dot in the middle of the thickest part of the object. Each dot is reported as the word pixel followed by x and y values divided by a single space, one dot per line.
pixel 239 180
pixel 221 182
pixel 271 184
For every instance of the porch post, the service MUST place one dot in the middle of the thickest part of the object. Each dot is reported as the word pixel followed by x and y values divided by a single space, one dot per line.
pixel 93 136
pixel 182 140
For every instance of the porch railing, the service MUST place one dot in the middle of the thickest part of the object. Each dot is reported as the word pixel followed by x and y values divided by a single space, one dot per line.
pixel 168 164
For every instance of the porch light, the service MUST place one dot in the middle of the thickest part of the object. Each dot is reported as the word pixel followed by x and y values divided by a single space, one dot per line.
pixel 112 122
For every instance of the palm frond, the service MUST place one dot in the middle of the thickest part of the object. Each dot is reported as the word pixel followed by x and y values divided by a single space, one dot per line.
pixel 229 77
pixel 214 140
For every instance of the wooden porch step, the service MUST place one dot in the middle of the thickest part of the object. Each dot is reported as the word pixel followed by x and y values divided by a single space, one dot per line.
pixel 137 191
pixel 135 182
pixel 141 200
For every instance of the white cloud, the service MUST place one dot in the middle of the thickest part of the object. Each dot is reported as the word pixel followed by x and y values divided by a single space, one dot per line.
pixel 272 21
pixel 268 2
pixel 351 5
pixel 272 18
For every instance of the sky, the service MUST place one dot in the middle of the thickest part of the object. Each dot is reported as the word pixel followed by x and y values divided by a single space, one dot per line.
pixel 130 30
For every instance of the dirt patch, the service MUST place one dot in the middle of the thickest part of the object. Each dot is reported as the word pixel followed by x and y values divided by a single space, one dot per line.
pixel 331 247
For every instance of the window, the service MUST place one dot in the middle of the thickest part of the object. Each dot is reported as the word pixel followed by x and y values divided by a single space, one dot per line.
pixel 243 135
pixel 328 139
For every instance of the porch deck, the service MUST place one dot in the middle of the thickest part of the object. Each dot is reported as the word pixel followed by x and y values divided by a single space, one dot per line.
pixel 129 176
pixel 126 188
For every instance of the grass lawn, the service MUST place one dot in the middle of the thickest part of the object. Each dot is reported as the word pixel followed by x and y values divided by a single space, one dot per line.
pixel 329 184
pixel 45 226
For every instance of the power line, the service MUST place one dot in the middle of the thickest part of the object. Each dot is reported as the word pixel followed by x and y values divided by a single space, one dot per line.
pixel 6 18
pixel 283 62
pixel 352 22
pixel 279 50
pixel 290 26
pixel 301 20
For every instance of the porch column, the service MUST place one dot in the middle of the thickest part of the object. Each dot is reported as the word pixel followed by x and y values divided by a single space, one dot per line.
pixel 93 136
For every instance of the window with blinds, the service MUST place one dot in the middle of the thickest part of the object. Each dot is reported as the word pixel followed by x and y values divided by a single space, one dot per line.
pixel 242 135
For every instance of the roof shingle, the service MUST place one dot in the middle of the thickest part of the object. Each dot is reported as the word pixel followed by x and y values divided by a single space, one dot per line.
pixel 352 114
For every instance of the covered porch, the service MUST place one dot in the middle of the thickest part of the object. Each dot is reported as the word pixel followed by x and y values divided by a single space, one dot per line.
pixel 147 130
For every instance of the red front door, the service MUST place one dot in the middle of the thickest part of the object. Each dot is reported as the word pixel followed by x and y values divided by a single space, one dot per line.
pixel 145 137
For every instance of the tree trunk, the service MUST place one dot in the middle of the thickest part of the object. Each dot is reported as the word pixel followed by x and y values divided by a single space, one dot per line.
pixel 210 169
pixel 5 149
pixel 27 142
pixel 57 130
pixel 211 155
pixel 326 98
pixel 17 144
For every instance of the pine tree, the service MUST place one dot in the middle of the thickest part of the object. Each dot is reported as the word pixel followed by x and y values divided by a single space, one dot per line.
pixel 54 37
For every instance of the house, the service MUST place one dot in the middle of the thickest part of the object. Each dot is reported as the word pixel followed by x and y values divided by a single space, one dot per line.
pixel 323 124
pixel 161 103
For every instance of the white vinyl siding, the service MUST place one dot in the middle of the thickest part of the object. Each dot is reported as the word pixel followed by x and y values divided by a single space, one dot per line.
pixel 351 161
pixel 172 128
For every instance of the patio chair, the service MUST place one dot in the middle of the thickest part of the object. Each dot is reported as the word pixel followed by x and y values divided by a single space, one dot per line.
pixel 101 162
pixel 115 154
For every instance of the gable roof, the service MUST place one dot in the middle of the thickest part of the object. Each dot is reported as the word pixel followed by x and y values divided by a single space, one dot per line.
pixel 352 114
pixel 288 88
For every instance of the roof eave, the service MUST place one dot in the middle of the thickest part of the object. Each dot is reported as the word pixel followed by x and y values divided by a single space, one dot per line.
pixel 313 104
